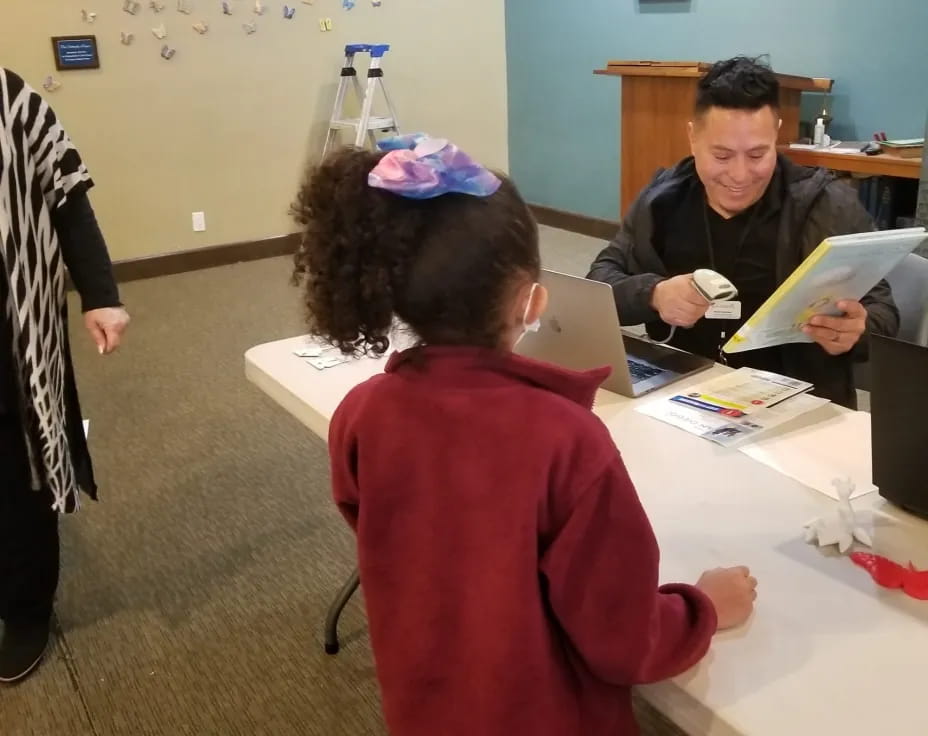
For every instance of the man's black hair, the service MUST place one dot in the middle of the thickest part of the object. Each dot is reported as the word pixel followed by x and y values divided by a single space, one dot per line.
pixel 741 83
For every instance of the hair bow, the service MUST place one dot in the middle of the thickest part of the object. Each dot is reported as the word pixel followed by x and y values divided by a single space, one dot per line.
pixel 419 167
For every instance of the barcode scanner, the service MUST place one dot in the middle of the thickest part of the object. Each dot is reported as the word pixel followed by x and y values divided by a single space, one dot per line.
pixel 713 286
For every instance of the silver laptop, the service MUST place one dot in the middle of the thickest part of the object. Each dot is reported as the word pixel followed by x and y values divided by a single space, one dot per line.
pixel 580 330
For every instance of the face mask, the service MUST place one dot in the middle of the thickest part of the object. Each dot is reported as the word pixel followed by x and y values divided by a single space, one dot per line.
pixel 534 326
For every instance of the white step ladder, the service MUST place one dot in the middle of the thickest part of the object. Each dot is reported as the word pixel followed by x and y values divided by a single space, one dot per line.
pixel 367 123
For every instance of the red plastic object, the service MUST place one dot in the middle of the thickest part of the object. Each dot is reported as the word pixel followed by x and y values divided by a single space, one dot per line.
pixel 916 583
pixel 889 574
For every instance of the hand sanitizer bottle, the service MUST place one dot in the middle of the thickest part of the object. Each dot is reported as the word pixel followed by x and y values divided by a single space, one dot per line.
pixel 818 135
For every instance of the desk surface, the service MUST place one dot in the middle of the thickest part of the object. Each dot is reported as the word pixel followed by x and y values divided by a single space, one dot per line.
pixel 826 652
pixel 856 163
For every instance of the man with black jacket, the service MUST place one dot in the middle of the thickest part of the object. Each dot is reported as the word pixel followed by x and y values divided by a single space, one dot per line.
pixel 737 207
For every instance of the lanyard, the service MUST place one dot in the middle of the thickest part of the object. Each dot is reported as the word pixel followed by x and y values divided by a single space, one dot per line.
pixel 723 334
pixel 741 241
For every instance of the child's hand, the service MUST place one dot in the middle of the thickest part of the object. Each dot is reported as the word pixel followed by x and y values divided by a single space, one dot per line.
pixel 732 591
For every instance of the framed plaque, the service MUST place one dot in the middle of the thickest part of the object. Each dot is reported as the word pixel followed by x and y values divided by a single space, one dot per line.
pixel 75 52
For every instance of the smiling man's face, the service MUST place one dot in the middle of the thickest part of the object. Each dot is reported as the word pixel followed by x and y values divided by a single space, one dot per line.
pixel 736 155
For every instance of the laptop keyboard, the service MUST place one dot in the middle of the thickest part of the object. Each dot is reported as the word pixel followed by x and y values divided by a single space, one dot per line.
pixel 642 371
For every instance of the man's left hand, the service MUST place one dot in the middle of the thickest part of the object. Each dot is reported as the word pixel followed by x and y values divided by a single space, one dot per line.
pixel 838 335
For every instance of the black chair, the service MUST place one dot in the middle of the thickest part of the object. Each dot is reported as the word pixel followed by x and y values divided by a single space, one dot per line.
pixel 909 282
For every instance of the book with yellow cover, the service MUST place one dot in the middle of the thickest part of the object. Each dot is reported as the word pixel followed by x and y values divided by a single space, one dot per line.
pixel 843 267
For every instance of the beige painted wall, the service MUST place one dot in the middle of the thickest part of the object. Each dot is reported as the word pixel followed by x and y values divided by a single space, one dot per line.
pixel 227 125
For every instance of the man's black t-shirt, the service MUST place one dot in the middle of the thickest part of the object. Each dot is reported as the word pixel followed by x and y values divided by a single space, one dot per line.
pixel 742 248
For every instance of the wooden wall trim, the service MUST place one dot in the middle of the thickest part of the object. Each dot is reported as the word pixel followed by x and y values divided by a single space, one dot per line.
pixel 193 260
pixel 595 227
pixel 165 264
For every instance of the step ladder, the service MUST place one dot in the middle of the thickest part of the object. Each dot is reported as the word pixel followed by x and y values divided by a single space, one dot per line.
pixel 367 123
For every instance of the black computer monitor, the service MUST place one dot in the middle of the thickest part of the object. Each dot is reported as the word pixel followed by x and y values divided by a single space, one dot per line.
pixel 899 421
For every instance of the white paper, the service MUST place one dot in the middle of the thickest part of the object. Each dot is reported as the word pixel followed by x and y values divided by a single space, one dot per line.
pixel 833 147
pixel 838 447
pixel 729 430
pixel 744 391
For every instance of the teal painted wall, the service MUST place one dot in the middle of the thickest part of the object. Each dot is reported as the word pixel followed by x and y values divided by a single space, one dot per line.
pixel 564 121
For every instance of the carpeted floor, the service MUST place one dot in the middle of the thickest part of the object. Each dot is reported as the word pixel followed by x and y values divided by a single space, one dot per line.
pixel 193 594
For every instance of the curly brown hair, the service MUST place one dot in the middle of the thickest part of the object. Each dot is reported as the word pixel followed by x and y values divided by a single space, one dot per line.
pixel 444 266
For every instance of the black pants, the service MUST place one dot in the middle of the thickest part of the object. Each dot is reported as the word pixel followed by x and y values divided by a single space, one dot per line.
pixel 29 550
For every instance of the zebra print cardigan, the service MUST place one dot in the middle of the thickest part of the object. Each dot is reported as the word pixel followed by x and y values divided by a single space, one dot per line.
pixel 39 170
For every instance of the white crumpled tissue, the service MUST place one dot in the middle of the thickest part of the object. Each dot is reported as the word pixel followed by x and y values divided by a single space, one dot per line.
pixel 839 526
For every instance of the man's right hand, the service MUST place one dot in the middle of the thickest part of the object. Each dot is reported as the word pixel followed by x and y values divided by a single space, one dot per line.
pixel 678 302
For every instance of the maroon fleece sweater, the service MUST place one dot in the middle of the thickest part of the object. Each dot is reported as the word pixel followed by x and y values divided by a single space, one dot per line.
pixel 509 571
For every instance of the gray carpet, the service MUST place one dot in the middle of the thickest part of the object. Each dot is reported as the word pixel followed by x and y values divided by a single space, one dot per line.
pixel 193 594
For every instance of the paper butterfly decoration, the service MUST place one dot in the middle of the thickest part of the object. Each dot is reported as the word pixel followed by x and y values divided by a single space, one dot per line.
pixel 126 38
pixel 183 6
pixel 250 27
pixel 160 32
pixel 376 3
pixel 51 84
pixel 226 8
pixel 167 52
pixel 260 7
pixel 347 4
pixel 88 17
pixel 288 12
pixel 202 27
pixel 156 6
pixel 131 6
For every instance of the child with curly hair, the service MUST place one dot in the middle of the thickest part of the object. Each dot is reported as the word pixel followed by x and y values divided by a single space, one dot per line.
pixel 509 571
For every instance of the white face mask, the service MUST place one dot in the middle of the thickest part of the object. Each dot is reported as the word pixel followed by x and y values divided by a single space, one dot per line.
pixel 526 326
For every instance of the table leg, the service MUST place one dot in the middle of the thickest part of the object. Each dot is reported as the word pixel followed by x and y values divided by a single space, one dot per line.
pixel 335 610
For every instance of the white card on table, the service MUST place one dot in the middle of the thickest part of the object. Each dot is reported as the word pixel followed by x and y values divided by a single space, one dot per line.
pixel 327 362
pixel 310 352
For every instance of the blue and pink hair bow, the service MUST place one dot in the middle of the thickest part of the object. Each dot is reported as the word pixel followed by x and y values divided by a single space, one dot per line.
pixel 419 167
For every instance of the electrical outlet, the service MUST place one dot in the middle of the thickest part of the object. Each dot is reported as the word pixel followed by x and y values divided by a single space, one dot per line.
pixel 199 222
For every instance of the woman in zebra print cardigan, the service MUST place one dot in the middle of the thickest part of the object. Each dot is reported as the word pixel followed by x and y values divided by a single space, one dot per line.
pixel 46 224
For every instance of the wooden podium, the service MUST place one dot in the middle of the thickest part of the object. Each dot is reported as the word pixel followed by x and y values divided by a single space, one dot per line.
pixel 657 103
